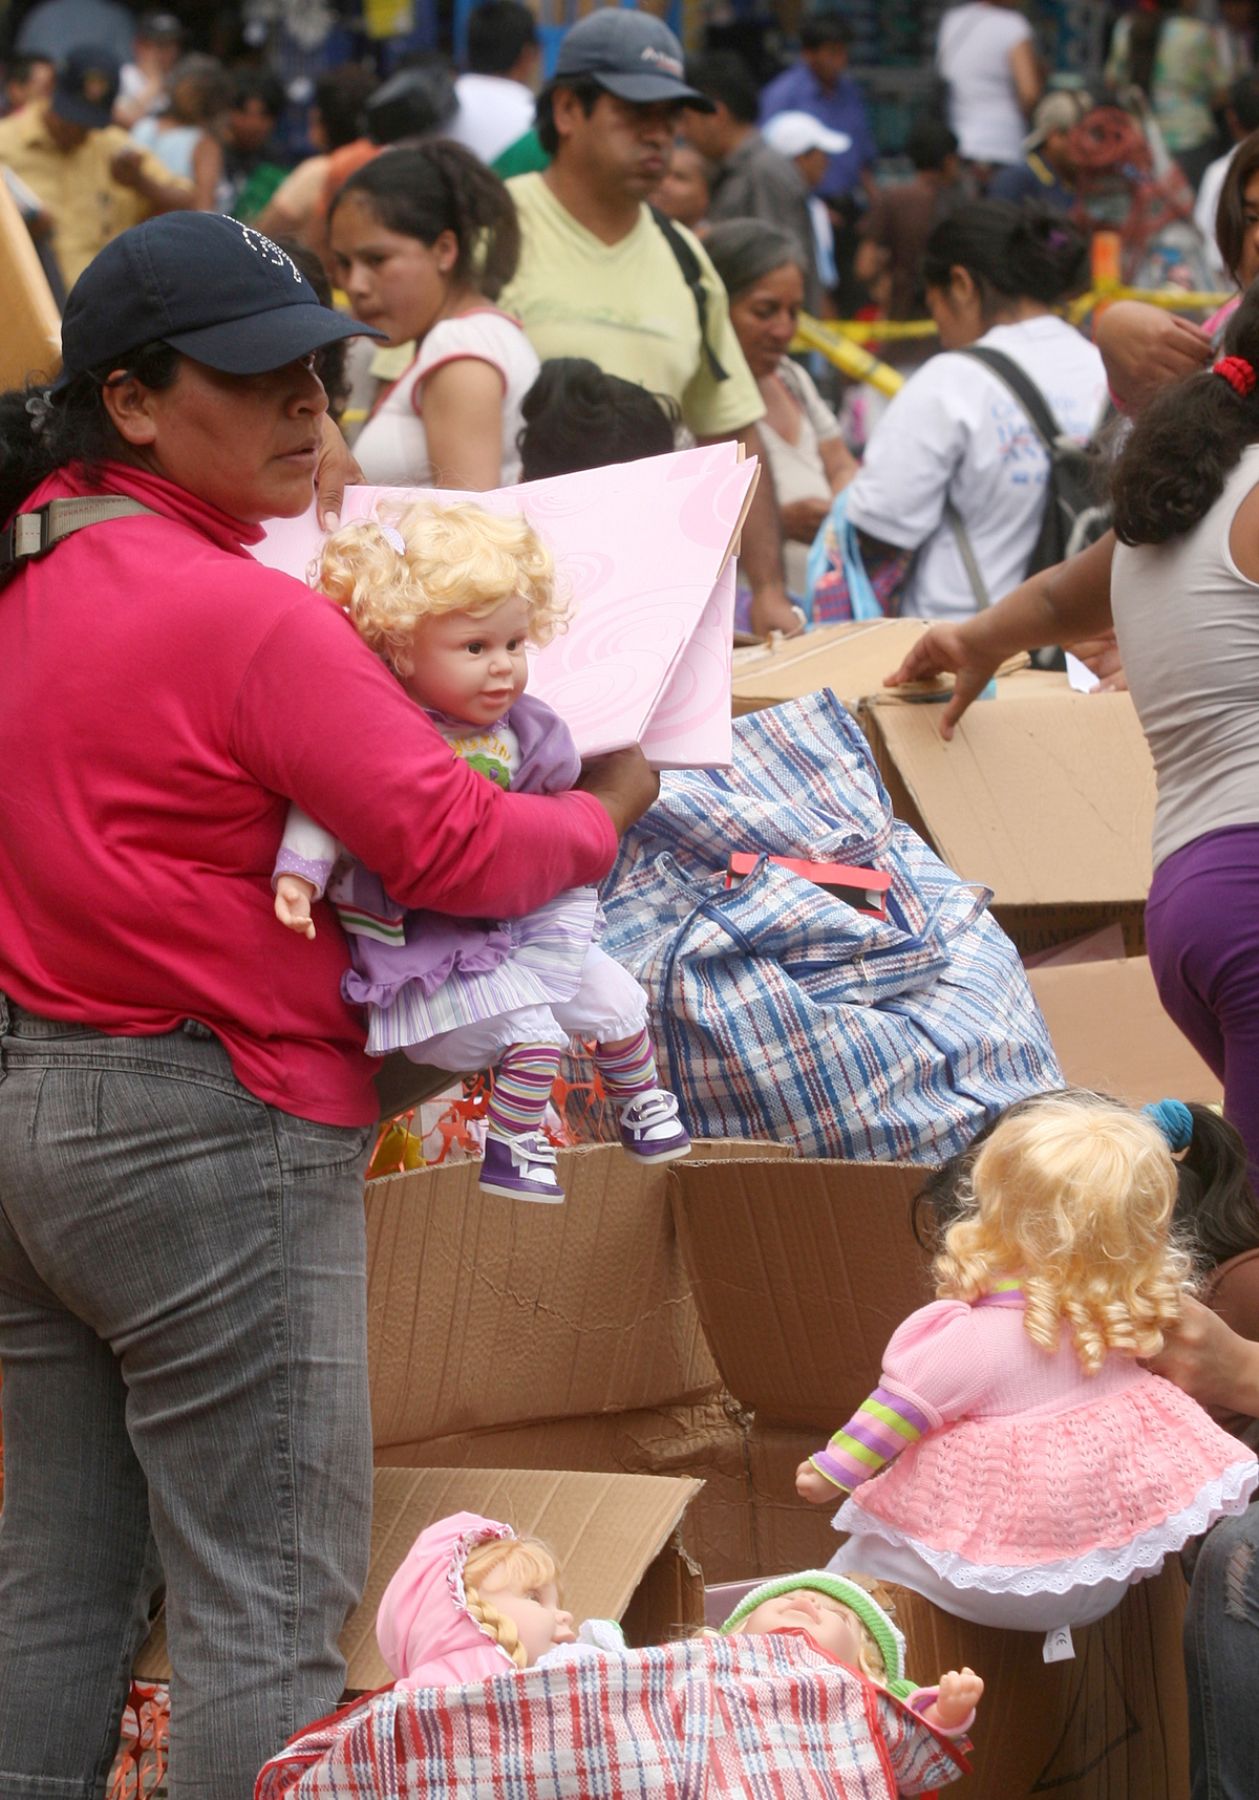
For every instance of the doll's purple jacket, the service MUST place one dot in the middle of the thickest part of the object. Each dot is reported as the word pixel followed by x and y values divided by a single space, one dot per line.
pixel 388 944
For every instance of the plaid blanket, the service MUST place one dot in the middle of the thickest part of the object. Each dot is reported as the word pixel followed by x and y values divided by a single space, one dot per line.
pixel 780 1012
pixel 764 1718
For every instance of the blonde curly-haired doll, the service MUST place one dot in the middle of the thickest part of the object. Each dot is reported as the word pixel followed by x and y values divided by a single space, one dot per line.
pixel 450 598
pixel 1016 1463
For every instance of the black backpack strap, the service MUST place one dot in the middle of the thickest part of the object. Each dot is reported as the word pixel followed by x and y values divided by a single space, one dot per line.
pixel 693 276
pixel 34 534
pixel 1023 388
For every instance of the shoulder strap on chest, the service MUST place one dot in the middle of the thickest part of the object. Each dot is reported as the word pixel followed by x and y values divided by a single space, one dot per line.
pixel 1023 388
pixel 692 275
pixel 34 534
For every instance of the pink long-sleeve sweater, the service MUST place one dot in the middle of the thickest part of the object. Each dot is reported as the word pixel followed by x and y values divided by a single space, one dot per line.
pixel 162 699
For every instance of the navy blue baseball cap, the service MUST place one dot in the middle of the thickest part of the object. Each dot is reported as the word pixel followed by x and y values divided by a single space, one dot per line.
pixel 86 86
pixel 632 54
pixel 212 288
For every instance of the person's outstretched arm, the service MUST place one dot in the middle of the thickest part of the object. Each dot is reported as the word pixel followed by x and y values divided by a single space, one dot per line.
pixel 1061 605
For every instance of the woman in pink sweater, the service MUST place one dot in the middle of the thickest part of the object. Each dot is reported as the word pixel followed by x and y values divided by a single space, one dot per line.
pixel 186 1108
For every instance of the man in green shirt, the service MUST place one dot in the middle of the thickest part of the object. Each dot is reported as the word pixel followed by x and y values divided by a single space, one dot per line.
pixel 598 277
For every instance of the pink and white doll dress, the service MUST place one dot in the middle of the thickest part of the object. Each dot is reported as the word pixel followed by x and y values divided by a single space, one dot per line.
pixel 457 993
pixel 1011 1488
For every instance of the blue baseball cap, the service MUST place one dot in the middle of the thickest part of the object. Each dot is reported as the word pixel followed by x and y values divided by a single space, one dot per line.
pixel 212 288
pixel 632 54
pixel 86 86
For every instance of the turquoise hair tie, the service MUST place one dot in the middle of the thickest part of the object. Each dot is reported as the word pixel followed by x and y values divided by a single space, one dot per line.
pixel 1174 1120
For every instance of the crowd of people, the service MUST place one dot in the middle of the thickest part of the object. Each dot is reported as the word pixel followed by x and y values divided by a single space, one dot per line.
pixel 487 276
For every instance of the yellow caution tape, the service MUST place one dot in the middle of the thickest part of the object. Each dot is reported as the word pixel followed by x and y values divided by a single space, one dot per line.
pixel 849 358
pixel 840 340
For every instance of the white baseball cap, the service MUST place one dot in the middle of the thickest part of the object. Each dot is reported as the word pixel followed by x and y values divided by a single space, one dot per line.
pixel 796 133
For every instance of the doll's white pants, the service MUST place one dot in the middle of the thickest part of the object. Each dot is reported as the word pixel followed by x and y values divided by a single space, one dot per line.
pixel 872 1555
pixel 608 1006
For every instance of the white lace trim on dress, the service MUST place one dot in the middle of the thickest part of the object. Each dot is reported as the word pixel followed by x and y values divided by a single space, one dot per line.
pixel 1142 1556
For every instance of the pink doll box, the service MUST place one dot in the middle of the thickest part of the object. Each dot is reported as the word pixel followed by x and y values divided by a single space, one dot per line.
pixel 645 552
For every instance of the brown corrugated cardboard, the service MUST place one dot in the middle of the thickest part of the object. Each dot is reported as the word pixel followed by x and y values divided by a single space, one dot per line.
pixel 1111 1033
pixel 708 1442
pixel 800 1276
pixel 616 1538
pixel 485 1313
pixel 801 1272
pixel 1048 800
pixel 1108 1725
pixel 851 660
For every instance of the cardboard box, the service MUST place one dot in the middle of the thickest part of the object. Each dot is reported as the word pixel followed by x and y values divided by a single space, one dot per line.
pixel 1110 1724
pixel 616 1538
pixel 801 1272
pixel 1111 1033
pixel 1047 800
pixel 485 1313
pixel 32 323
pixel 801 1275
pixel 851 660
pixel 708 1442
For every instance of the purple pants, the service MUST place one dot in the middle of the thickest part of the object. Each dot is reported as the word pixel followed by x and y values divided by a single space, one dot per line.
pixel 1202 928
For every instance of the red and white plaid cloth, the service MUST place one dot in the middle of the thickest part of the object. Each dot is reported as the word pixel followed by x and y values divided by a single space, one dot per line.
pixel 763 1718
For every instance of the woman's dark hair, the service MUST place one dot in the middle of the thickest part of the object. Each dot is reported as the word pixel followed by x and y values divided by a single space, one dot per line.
pixel 40 433
pixel 1011 252
pixel 340 98
pixel 425 189
pixel 1215 1208
pixel 1230 213
pixel 743 251
pixel 1186 443
pixel 723 75
pixel 576 417
pixel 1215 1216
pixel 587 91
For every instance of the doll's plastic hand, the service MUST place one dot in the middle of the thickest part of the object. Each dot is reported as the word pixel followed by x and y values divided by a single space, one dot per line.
pixel 959 1694
pixel 812 1486
pixel 293 896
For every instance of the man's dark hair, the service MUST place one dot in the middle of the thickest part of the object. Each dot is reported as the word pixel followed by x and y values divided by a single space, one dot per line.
pixel 499 33
pixel 822 29
pixel 341 96
pixel 257 84
pixel 930 144
pixel 587 90
pixel 723 75
pixel 1243 98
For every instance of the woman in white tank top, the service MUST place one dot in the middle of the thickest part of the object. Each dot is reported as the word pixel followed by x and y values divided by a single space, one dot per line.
pixel 1182 589
pixel 423 239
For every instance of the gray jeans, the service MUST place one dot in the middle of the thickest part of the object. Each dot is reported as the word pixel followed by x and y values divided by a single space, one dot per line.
pixel 183 1345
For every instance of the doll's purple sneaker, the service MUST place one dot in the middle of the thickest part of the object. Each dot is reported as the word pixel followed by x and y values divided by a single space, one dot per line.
pixel 521 1168
pixel 650 1128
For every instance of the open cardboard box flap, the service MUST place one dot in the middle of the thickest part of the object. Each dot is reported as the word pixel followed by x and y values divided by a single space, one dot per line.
pixel 801 1273
pixel 1048 800
pixel 851 660
pixel 613 1537
pixel 484 1313
pixel 1111 1033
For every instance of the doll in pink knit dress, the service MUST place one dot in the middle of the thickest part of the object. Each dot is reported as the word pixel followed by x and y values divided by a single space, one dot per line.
pixel 1016 1464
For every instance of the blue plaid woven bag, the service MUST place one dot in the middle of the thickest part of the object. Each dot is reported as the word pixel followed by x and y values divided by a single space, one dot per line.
pixel 777 1010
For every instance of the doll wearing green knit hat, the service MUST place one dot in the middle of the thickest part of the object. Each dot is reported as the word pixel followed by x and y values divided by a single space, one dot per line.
pixel 850 1621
